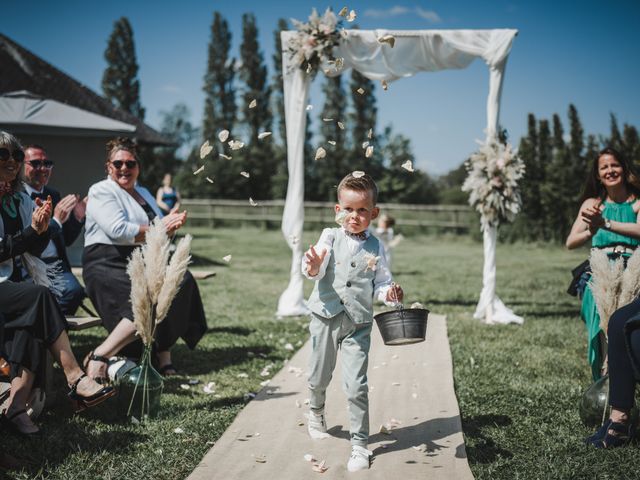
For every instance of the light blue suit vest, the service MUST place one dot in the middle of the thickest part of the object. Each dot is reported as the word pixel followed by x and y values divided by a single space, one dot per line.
pixel 348 284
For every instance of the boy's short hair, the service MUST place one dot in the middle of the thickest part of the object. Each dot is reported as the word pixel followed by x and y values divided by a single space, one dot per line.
pixel 362 183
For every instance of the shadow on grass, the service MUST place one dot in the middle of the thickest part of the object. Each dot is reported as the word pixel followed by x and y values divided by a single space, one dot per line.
pixel 244 331
pixel 201 261
pixel 201 362
pixel 480 447
pixel 453 301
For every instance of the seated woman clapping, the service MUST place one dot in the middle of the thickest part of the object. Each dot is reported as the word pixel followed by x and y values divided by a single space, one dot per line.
pixel 31 315
pixel 119 212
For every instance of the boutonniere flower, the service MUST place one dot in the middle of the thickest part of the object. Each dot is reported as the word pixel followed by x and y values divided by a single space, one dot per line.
pixel 372 262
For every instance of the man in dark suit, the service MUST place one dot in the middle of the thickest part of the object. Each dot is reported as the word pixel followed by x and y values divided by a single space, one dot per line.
pixel 66 224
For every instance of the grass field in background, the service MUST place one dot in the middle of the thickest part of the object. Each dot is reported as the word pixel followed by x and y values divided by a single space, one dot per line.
pixel 517 386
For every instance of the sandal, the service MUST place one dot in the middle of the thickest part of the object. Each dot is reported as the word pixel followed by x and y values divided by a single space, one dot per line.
pixel 91 357
pixel 7 421
pixel 167 370
pixel 80 402
pixel 623 434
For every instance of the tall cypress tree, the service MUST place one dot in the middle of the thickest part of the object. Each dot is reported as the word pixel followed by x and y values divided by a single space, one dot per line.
pixel 615 139
pixel 219 114
pixel 631 143
pixel 257 155
pixel 279 181
pixel 545 156
pixel 120 82
pixel 363 118
pixel 330 170
pixel 529 223
pixel 219 102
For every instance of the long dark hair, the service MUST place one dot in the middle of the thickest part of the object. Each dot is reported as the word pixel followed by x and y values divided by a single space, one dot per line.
pixel 593 187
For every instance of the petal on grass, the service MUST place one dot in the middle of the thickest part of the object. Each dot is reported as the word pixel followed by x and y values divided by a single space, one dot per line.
pixel 227 258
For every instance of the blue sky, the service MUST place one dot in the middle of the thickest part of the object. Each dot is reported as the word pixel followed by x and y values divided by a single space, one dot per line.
pixel 585 53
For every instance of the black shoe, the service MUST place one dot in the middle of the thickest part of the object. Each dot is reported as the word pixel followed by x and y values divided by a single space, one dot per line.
pixel 81 402
pixel 7 422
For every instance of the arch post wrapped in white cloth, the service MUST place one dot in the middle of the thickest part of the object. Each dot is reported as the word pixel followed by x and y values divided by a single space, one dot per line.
pixel 414 51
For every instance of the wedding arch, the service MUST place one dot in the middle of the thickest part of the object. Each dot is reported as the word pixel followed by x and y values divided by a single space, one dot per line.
pixel 412 51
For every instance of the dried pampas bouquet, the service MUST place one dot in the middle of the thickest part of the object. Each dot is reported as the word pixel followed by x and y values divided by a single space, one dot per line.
pixel 155 280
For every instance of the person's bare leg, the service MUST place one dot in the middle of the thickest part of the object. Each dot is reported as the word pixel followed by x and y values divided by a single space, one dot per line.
pixel 61 351
pixel 164 358
pixel 121 336
pixel 20 390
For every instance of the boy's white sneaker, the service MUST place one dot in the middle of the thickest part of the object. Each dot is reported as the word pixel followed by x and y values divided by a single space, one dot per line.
pixel 359 459
pixel 317 426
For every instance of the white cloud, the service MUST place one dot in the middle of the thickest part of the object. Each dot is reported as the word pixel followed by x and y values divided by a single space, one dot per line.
pixel 170 89
pixel 398 10
pixel 429 15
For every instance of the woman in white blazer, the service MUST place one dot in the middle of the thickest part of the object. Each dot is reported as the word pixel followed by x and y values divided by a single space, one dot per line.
pixel 119 212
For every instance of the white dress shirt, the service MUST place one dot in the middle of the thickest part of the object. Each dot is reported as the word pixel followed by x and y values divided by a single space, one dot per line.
pixel 382 281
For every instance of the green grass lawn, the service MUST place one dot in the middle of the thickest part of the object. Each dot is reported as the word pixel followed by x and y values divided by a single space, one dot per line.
pixel 517 386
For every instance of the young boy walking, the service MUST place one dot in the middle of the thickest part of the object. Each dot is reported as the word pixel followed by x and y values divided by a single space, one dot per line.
pixel 350 269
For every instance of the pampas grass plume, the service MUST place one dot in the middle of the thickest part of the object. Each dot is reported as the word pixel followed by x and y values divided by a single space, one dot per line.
pixel 630 280
pixel 606 282
pixel 174 275
pixel 156 255
pixel 140 297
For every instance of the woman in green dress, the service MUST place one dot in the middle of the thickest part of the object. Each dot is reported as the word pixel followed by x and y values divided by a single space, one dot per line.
pixel 609 219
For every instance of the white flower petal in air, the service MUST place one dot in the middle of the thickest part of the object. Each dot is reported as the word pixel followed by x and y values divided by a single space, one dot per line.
pixel 385 85
pixel 227 258
pixel 223 135
pixel 245 174
pixel 331 142
pixel 327 119
pixel 341 125
pixel 357 174
pixel 309 68
pixel 199 170
pixel 360 91
pixel 235 144
pixel 341 216
pixel 339 63
pixel 352 16
pixel 388 39
pixel 369 151
pixel 370 133
pixel 365 144
pixel 309 107
pixel 253 103
pixel 262 135
pixel 205 149
pixel 210 180
pixel 252 202
pixel 320 153
pixel 343 12
pixel 226 157
pixel 408 166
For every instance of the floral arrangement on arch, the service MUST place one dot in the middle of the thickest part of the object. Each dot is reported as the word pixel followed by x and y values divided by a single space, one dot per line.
pixel 313 45
pixel 492 183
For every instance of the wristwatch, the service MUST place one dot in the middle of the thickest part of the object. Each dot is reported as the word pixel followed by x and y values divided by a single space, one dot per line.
pixel 607 224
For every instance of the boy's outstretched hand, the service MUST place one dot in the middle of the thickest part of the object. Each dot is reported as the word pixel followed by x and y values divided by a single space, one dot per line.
pixel 314 261
pixel 395 293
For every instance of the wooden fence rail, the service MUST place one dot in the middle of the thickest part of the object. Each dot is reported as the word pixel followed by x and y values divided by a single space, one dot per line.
pixel 268 214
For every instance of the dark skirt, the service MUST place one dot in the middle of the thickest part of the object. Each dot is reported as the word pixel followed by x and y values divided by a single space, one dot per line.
pixel 104 270
pixel 32 320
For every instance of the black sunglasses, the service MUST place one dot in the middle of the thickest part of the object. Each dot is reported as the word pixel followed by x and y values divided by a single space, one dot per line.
pixel 40 163
pixel 129 163
pixel 17 155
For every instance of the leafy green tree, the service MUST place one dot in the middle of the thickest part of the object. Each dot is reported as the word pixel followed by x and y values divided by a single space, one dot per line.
pixel 398 185
pixel 120 83
pixel 449 187
pixel 615 139
pixel 257 156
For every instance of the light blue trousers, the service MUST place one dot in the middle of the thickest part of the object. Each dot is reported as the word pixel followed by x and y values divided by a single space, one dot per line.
pixel 327 336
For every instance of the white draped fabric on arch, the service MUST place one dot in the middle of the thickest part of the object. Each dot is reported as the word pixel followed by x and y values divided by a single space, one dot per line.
pixel 414 51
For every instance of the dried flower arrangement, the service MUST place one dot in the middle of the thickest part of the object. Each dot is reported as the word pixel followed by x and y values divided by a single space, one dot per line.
pixel 313 45
pixel 492 183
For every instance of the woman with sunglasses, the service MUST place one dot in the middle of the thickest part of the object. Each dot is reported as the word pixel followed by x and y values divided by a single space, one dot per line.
pixel 30 314
pixel 119 212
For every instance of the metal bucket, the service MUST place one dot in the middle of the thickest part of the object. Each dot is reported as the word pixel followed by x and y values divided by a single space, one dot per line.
pixel 403 326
